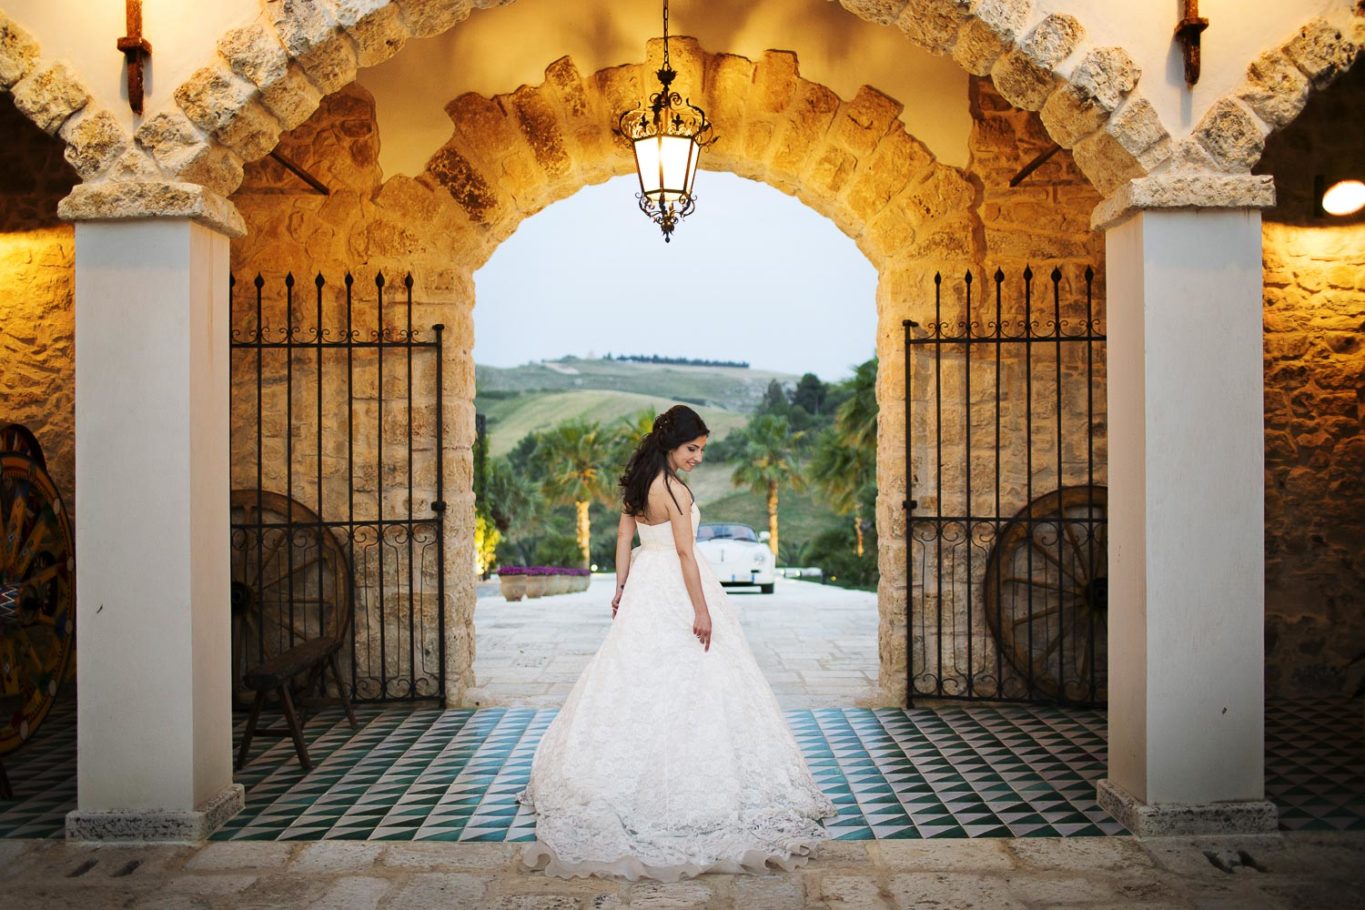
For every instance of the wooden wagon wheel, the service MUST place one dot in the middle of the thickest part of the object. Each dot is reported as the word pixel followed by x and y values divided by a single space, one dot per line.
pixel 1046 593
pixel 291 582
pixel 16 439
pixel 37 597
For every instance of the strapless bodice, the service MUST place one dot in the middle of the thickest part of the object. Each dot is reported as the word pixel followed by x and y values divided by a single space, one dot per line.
pixel 661 535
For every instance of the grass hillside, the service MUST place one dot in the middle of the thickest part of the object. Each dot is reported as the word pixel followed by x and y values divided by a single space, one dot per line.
pixel 724 388
pixel 510 419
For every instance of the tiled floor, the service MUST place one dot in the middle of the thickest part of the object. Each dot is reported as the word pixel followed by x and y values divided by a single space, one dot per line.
pixel 953 772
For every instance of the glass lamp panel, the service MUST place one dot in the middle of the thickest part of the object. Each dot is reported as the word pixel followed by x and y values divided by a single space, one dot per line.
pixel 647 160
pixel 694 157
pixel 678 165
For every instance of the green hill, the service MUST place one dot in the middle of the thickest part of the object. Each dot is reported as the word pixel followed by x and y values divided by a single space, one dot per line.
pixel 511 418
pixel 725 388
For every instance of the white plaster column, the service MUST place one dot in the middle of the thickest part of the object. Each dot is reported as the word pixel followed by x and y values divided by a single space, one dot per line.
pixel 1186 541
pixel 152 574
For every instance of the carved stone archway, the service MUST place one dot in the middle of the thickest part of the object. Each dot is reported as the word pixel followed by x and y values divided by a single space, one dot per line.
pixel 511 155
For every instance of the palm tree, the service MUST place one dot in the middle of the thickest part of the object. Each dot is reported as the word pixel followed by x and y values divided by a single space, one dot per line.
pixel 844 472
pixel 767 461
pixel 574 459
pixel 845 460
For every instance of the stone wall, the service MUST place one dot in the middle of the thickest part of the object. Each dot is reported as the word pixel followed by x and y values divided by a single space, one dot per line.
pixel 37 325
pixel 1315 402
pixel 1043 223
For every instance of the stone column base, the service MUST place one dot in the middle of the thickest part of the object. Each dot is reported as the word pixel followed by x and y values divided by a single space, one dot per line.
pixel 1186 819
pixel 157 824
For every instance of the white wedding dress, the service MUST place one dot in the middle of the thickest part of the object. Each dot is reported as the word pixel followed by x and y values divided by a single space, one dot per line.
pixel 666 760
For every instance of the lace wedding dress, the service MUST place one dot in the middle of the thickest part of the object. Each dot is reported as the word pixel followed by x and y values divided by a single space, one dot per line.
pixel 666 760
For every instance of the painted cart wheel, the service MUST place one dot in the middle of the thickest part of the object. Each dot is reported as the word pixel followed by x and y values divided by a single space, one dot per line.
pixel 16 439
pixel 37 597
pixel 1046 594
pixel 291 582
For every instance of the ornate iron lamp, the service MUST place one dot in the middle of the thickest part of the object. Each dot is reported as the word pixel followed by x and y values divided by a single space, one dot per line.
pixel 667 134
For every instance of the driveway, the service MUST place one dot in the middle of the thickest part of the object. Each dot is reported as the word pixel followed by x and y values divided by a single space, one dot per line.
pixel 817 644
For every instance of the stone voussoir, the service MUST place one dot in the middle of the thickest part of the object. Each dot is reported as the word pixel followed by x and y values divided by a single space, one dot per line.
pixel 94 141
pixel 1232 135
pixel 1322 51
pixel 18 52
pixel 331 64
pixel 212 97
pixel 123 200
pixel 1025 76
pixel 431 17
pixel 1275 89
pixel 882 12
pixel 255 53
pixel 378 35
pixel 932 24
pixel 302 24
pixel 292 99
pixel 50 96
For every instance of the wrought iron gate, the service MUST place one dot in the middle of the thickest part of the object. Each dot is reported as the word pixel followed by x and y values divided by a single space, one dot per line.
pixel 1005 497
pixel 338 483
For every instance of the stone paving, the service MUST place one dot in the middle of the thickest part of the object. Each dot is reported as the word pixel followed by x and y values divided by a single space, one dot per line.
pixel 1278 872
pixel 816 644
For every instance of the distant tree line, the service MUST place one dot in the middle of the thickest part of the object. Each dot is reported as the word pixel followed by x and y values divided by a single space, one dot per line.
pixel 680 361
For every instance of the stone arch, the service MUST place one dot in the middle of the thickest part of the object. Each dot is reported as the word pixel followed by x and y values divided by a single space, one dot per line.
pixel 511 155
pixel 270 76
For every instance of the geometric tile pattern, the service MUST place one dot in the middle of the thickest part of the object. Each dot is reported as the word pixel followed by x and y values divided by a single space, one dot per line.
pixel 1315 764
pixel 432 774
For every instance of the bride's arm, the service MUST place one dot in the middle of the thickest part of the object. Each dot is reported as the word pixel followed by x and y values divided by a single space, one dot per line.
pixel 684 541
pixel 625 535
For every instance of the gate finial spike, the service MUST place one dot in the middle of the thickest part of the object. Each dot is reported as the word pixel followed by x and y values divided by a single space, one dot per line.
pixel 379 279
pixel 1056 273
pixel 1089 273
pixel 938 278
pixel 349 279
pixel 319 281
pixel 1028 273
pixel 407 281
pixel 968 277
pixel 289 279
pixel 999 275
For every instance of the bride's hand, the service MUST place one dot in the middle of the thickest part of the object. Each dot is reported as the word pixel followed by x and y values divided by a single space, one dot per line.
pixel 701 627
pixel 616 602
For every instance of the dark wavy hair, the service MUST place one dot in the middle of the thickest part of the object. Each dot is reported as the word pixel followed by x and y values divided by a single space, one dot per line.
pixel 678 425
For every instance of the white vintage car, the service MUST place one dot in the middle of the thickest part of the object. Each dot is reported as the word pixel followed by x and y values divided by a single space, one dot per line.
pixel 737 555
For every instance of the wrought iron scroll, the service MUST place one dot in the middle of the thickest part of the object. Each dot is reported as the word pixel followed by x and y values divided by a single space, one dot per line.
pixel 1006 550
pixel 337 406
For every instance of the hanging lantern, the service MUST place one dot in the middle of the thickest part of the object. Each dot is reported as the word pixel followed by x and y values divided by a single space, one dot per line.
pixel 667 134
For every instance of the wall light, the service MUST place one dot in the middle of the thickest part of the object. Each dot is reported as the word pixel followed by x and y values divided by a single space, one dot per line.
pixel 1345 197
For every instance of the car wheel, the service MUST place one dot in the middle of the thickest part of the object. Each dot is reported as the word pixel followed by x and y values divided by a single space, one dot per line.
pixel 766 589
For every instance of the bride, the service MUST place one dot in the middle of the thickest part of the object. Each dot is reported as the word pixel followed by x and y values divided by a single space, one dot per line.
pixel 670 757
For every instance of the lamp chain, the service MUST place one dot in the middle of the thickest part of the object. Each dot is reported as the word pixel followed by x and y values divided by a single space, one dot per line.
pixel 666 66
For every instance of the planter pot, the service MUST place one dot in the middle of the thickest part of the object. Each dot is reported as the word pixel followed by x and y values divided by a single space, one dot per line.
pixel 513 586
pixel 559 584
pixel 537 585
pixel 581 583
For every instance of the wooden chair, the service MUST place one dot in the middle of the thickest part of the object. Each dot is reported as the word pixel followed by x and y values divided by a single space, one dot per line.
pixel 297 649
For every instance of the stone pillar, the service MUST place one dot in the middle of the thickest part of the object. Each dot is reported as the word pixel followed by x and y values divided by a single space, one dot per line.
pixel 152 574
pixel 1186 543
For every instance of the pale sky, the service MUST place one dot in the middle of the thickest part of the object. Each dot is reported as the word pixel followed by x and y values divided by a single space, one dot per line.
pixel 752 274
